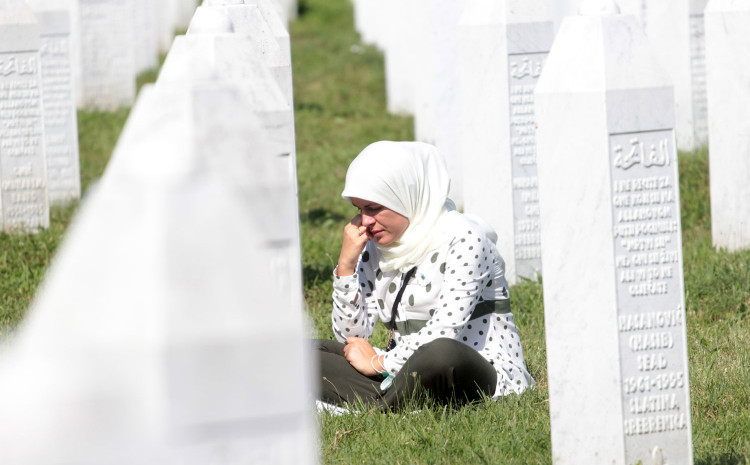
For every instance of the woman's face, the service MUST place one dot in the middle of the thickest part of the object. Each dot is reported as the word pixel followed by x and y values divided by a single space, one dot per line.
pixel 384 224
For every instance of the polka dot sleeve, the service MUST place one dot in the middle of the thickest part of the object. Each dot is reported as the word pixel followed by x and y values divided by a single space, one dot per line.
pixel 353 305
pixel 467 268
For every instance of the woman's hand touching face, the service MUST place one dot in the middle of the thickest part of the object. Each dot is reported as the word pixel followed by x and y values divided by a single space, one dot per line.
pixel 356 236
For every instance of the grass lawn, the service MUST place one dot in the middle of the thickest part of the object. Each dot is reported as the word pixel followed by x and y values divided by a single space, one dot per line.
pixel 339 109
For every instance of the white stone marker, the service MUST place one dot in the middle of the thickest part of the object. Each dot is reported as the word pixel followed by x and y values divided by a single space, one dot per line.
pixel 247 20
pixel 145 35
pixel 58 101
pixel 611 247
pixel 233 57
pixel 166 23
pixel 167 348
pixel 424 98
pixel 444 28
pixel 107 54
pixel 230 57
pixel 728 65
pixel 23 169
pixel 504 46
pixel 675 30
pixel 401 60
pixel 270 15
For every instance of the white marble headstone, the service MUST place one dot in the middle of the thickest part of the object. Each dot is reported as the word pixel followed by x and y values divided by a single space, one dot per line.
pixel 270 14
pixel 23 168
pixel 108 73
pixel 675 30
pixel 614 299
pixel 231 57
pixel 401 57
pixel 58 101
pixel 166 14
pixel 503 46
pixel 247 20
pixel 166 348
pixel 728 79
pixel 145 34
pixel 445 15
pixel 424 96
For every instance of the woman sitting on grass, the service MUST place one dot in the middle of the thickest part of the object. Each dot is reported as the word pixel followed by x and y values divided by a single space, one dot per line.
pixel 432 275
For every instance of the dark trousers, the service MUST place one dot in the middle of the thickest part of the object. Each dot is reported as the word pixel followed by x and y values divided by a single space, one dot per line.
pixel 444 369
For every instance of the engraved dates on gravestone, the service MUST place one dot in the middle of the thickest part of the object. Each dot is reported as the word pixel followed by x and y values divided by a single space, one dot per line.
pixel 524 71
pixel 24 180
pixel 650 297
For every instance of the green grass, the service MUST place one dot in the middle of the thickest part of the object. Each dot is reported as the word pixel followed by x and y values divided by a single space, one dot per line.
pixel 339 109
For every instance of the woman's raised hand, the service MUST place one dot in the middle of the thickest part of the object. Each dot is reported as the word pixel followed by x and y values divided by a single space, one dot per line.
pixel 355 238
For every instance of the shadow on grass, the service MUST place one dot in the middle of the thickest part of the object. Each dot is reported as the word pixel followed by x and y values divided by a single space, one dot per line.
pixel 730 458
pixel 319 216
pixel 313 276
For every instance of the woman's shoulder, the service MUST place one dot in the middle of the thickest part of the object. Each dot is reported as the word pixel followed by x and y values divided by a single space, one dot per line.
pixel 455 227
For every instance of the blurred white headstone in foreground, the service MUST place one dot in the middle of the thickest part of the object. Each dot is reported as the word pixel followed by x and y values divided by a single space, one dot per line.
pixel 232 57
pixel 504 45
pixel 728 60
pixel 160 334
pixel 23 168
pixel 108 70
pixel 614 299
pixel 58 100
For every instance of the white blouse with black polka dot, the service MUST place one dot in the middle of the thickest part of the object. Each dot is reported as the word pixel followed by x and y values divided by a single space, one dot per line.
pixel 441 300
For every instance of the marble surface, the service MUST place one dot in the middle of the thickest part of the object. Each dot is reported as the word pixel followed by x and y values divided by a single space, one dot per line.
pixel 611 248
pixel 248 20
pixel 401 57
pixel 503 46
pixel 161 342
pixel 270 12
pixel 445 15
pixel 24 204
pixel 58 101
pixel 675 31
pixel 728 82
pixel 107 54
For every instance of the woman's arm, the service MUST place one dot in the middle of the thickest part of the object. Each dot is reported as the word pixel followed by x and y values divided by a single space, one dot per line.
pixel 352 316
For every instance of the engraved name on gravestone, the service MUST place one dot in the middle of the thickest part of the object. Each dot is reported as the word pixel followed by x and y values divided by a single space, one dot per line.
pixel 60 119
pixel 23 196
pixel 698 74
pixel 107 54
pixel 650 295
pixel 524 70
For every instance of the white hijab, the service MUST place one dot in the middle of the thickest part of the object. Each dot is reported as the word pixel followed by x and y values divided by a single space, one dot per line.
pixel 409 178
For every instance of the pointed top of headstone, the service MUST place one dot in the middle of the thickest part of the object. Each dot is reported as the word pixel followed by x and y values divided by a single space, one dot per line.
pixel 598 8
pixel 210 21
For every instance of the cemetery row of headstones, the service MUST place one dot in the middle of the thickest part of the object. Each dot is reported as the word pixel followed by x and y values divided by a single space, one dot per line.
pixel 560 122
pixel 57 56
pixel 449 49
pixel 169 328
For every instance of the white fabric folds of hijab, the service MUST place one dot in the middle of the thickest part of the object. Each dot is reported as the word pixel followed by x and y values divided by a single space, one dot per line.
pixel 409 178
